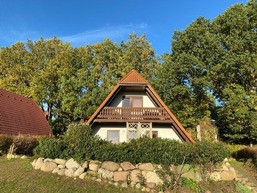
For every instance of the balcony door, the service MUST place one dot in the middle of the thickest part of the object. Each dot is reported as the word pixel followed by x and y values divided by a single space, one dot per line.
pixel 132 101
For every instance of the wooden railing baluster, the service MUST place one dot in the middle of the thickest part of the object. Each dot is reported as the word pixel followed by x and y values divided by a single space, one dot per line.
pixel 134 113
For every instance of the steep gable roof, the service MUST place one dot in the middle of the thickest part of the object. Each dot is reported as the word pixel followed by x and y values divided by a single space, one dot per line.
pixel 21 115
pixel 134 78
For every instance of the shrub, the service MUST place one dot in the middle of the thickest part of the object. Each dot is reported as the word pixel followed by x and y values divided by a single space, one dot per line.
pixel 5 143
pixel 208 152
pixel 79 143
pixel 247 153
pixel 25 144
pixel 206 155
pixel 51 148
pixel 82 144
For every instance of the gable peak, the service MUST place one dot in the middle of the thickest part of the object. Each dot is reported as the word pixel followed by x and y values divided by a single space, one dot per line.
pixel 133 77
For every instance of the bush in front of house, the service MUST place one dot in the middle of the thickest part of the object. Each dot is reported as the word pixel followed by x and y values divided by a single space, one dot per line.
pixel 207 152
pixel 79 143
pixel 23 144
pixel 5 143
pixel 143 150
pixel 247 154
pixel 51 148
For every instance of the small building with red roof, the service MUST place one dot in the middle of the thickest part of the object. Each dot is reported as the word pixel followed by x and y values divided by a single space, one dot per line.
pixel 21 115
pixel 133 109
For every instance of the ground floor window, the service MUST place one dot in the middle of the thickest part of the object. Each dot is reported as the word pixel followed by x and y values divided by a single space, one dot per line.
pixel 154 134
pixel 113 136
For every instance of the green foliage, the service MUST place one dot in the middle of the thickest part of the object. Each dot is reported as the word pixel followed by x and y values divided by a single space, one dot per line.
pixel 205 155
pixel 192 185
pixel 25 144
pixel 215 60
pixel 208 153
pixel 238 115
pixel 79 143
pixel 209 131
pixel 82 143
pixel 247 154
pixel 51 148
pixel 68 82
pixel 242 188
pixel 5 143
pixel 159 151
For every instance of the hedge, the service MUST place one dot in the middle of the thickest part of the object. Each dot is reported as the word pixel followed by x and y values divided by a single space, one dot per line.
pixel 23 144
pixel 79 143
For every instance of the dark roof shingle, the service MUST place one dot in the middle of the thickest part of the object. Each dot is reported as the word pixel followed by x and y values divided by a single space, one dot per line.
pixel 21 115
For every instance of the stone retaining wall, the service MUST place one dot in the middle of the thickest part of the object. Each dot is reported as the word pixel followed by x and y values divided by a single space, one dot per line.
pixel 141 176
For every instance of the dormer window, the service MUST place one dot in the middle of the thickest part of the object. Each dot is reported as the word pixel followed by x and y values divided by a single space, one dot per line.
pixel 132 101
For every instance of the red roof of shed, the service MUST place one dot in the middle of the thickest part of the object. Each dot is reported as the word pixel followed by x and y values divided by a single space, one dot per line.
pixel 21 115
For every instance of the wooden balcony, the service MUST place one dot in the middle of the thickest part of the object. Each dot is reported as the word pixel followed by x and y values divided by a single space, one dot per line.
pixel 133 114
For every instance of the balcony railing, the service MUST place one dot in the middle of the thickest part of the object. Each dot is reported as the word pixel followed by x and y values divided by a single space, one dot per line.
pixel 133 113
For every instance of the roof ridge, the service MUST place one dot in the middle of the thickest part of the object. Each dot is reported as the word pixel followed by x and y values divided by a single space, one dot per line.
pixel 133 77
pixel 15 96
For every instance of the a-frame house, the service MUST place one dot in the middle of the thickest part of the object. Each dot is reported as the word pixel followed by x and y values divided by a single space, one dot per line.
pixel 133 109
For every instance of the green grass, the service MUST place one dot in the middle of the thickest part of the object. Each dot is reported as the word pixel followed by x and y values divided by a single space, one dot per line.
pixel 17 175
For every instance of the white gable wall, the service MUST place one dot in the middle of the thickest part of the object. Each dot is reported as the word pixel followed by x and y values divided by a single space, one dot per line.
pixel 166 132
pixel 101 131
pixel 163 131
pixel 117 101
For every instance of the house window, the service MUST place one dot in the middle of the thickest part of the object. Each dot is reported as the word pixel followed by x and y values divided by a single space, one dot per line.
pixel 154 134
pixel 113 136
pixel 132 101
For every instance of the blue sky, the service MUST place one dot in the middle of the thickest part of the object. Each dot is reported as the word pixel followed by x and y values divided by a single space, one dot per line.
pixel 82 22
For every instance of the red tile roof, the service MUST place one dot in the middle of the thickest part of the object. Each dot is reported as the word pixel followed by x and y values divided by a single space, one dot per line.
pixel 21 115
pixel 133 77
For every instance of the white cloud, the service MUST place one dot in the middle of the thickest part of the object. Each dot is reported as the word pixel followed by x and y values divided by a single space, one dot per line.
pixel 115 33
pixel 17 31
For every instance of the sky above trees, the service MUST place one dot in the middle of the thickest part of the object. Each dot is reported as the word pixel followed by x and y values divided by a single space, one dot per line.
pixel 84 22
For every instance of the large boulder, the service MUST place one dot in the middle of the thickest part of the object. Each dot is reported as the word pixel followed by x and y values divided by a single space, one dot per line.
pixel 79 171
pixel 48 166
pixel 105 174
pixel 71 163
pixel 215 176
pixel 60 161
pixel 39 163
pixel 135 176
pixel 61 172
pixel 85 165
pixel 146 166
pixel 120 176
pixel 94 166
pixel 127 166
pixel 228 175
pixel 55 171
pixel 48 160
pixel 153 177
pixel 61 166
pixel 34 163
pixel 82 176
pixel 69 172
pixel 111 166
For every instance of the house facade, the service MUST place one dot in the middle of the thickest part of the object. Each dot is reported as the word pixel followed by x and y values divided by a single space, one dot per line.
pixel 133 109
pixel 21 115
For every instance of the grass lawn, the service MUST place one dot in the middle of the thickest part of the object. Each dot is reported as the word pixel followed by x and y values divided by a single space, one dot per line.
pixel 17 175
